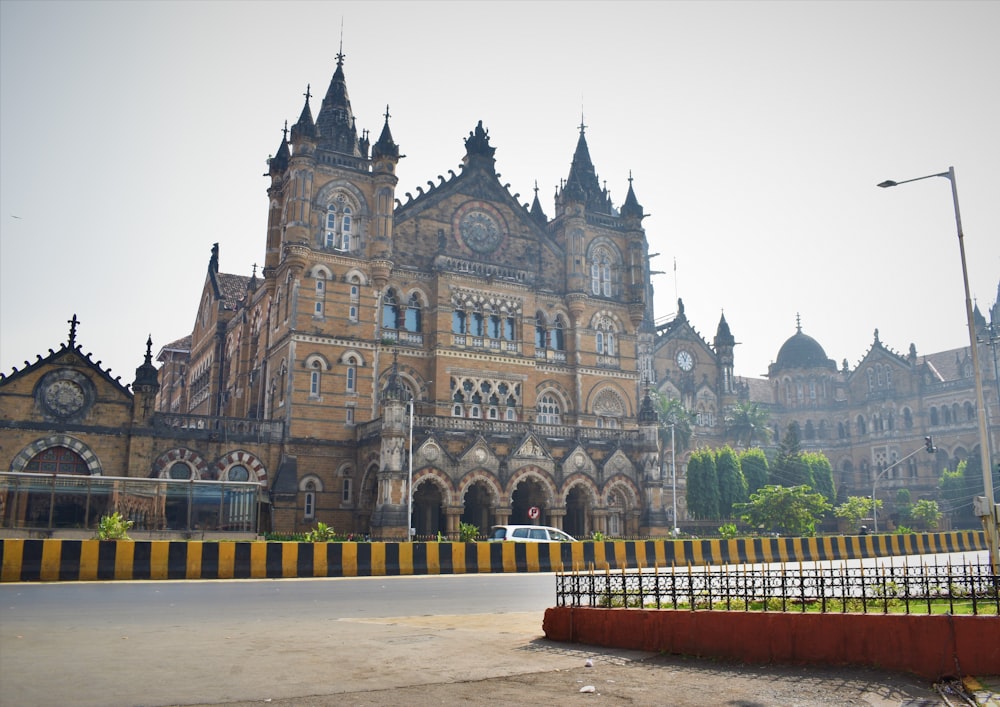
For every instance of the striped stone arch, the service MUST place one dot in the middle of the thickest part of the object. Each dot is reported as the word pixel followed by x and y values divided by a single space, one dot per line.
pixel 241 457
pixel 531 472
pixel 161 465
pixel 604 394
pixel 620 482
pixel 439 479
pixel 480 475
pixel 584 481
pixel 58 440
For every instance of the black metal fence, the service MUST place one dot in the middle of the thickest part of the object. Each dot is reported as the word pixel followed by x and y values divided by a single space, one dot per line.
pixel 946 588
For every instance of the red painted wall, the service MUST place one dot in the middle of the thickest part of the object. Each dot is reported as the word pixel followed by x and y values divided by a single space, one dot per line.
pixel 929 646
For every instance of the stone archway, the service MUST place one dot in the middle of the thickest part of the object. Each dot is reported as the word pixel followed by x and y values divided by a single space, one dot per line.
pixel 429 517
pixel 578 508
pixel 529 492
pixel 478 503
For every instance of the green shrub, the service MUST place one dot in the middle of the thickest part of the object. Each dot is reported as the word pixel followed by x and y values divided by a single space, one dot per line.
pixel 467 532
pixel 114 527
pixel 728 531
pixel 322 533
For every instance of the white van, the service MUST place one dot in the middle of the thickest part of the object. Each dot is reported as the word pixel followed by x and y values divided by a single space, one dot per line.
pixel 529 534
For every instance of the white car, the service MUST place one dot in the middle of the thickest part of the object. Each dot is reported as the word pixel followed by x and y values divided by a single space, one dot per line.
pixel 529 534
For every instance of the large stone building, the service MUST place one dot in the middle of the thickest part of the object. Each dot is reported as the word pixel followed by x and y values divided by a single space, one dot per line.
pixel 495 359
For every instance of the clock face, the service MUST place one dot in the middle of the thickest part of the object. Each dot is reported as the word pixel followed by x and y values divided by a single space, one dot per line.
pixel 685 360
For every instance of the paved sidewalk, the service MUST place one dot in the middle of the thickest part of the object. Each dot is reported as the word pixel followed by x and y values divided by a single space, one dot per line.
pixel 502 659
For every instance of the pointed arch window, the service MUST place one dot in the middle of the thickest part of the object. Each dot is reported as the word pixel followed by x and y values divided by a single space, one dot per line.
pixel 556 335
pixel 390 310
pixel 600 273
pixel 413 320
pixel 338 226
pixel 309 499
pixel 320 294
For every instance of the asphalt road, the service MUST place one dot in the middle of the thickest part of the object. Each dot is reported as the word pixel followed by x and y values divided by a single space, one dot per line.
pixel 373 641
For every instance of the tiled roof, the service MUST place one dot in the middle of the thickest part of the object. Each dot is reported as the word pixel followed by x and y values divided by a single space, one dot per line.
pixel 233 288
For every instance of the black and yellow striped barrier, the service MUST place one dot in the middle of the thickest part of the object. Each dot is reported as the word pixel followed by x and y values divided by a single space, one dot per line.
pixel 88 560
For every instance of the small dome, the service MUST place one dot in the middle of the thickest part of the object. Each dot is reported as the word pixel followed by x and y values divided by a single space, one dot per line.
pixel 802 351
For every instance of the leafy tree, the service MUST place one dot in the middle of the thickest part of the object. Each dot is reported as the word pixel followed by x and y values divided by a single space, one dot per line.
pixel 855 509
pixel 822 474
pixel 747 421
pixel 959 487
pixel 926 513
pixel 702 485
pixel 904 505
pixel 732 484
pixel 793 510
pixel 753 462
pixel 790 467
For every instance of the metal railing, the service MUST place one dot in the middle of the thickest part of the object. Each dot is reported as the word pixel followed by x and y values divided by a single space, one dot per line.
pixel 924 588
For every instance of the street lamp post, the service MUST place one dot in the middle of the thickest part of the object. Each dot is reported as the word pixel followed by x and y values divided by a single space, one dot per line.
pixel 985 507
pixel 410 531
pixel 673 480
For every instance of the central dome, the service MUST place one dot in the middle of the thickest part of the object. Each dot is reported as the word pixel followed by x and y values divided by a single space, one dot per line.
pixel 802 351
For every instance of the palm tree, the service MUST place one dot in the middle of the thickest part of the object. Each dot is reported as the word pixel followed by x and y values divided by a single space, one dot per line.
pixel 672 413
pixel 747 421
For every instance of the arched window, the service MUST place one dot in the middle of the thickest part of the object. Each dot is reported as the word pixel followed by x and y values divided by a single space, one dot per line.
pixel 390 310
pixel 907 419
pixel 338 230
pixel 309 499
pixel 539 330
pixel 58 460
pixel 314 380
pixel 459 322
pixel 351 378
pixel 601 272
pixel 556 337
pixel 413 318
pixel 934 417
pixel 970 412
pixel 862 426
pixel 345 230
pixel 330 232
pixel 548 410
pixel 476 322
pixel 238 473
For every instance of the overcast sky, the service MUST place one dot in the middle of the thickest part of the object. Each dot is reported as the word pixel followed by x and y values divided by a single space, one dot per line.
pixel 134 135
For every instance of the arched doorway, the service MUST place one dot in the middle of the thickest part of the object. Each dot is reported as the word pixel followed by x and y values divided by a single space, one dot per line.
pixel 529 493
pixel 478 509
pixel 577 512
pixel 69 510
pixel 428 510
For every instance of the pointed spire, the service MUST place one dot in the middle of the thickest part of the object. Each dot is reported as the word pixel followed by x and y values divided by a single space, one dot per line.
pixel 723 336
pixel 304 127
pixel 582 183
pixel 631 207
pixel 385 146
pixel 536 211
pixel 394 388
pixel 279 163
pixel 335 123
pixel 73 323
pixel 146 374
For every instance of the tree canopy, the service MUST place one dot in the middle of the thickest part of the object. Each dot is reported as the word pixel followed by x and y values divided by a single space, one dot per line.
pixel 747 422
pixel 790 510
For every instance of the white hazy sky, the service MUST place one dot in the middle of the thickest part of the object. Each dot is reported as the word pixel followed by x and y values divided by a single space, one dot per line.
pixel 133 136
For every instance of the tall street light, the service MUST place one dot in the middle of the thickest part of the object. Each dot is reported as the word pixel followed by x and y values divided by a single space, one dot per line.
pixel 985 507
